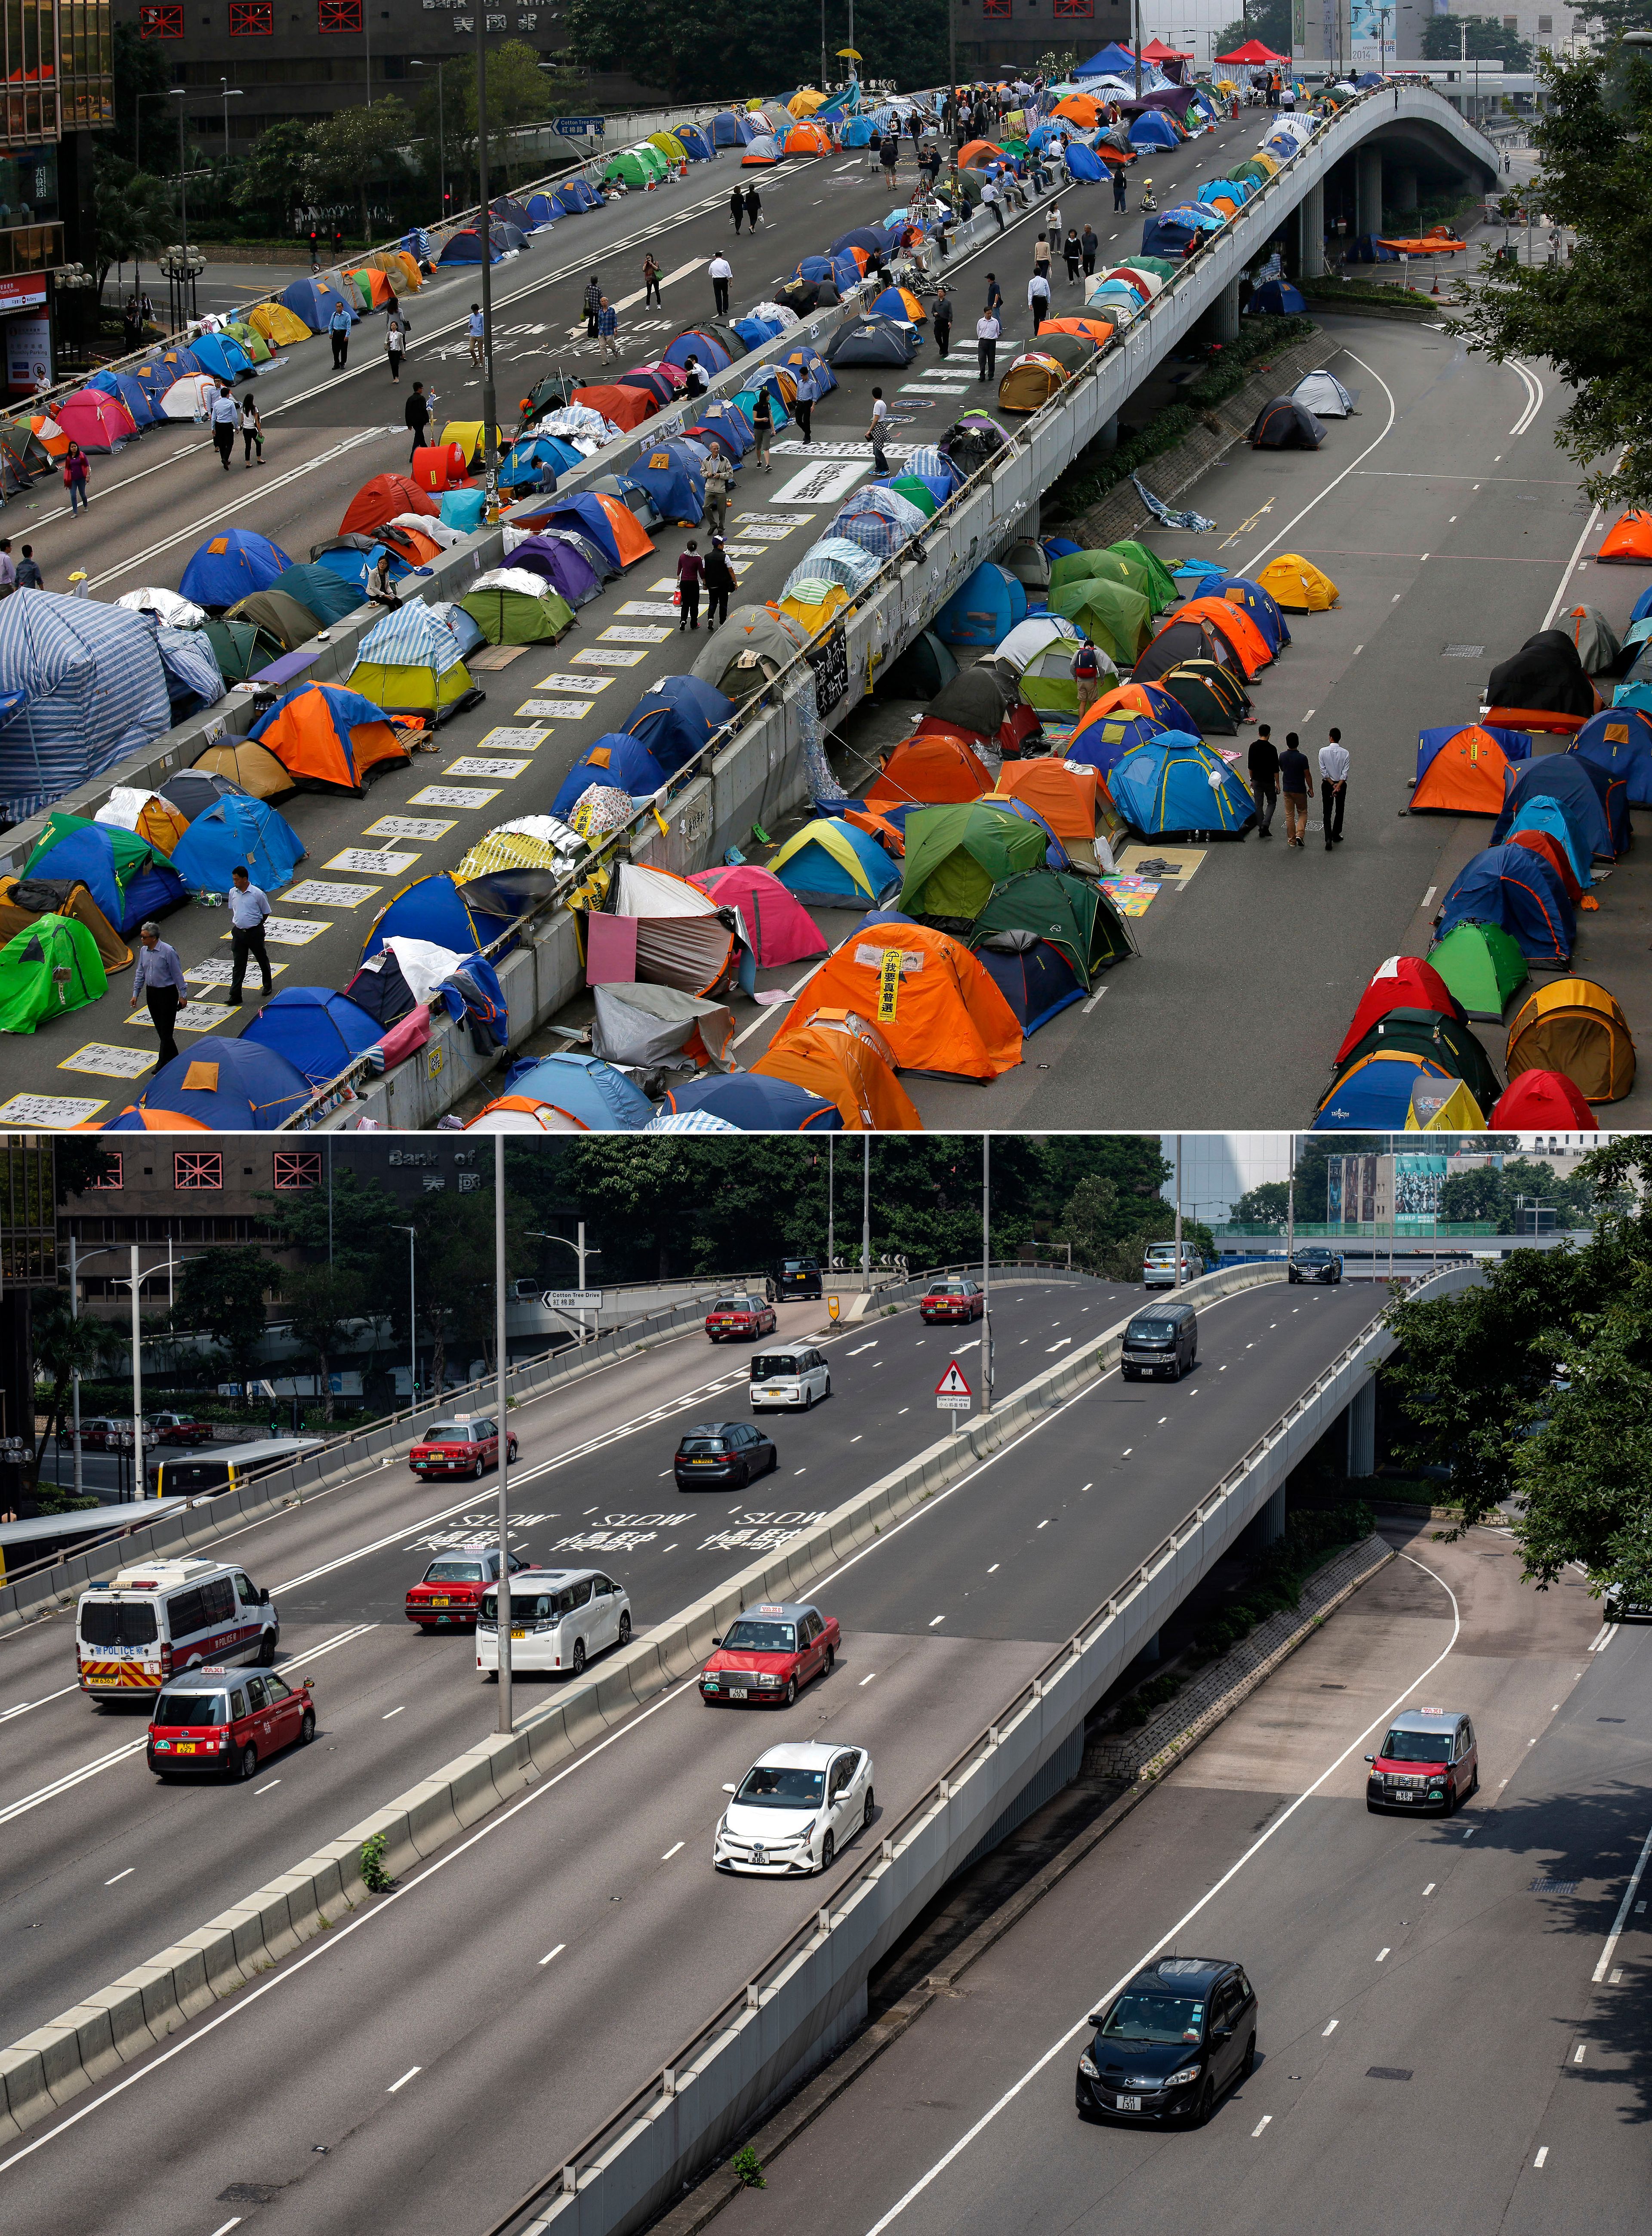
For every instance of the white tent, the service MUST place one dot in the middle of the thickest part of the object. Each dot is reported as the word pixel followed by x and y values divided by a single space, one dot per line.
pixel 1323 394
pixel 1028 638
pixel 188 398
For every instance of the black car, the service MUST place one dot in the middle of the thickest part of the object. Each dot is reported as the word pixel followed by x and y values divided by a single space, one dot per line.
pixel 1160 1340
pixel 1170 2043
pixel 1315 1265
pixel 719 1455
pixel 796 1276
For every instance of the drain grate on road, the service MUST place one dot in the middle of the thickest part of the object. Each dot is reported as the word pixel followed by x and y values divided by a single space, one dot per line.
pixel 1388 2072
pixel 1554 1886
pixel 1464 652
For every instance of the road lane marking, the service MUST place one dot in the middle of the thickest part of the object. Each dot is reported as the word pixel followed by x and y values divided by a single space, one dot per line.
pixel 1429 1889
pixel 867 1678
pixel 406 2078
pixel 671 1852
pixel 935 1619
pixel 1541 2156
pixel 270 1788
pixel 119 1875
pixel 1577 2054
pixel 394 1712
pixel 557 1951
pixel 1623 1908
pixel 1264 2121
pixel 1381 1953
pixel 1331 2029
pixel 23 1705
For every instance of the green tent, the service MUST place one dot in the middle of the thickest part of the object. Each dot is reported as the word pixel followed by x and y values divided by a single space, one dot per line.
pixel 1155 581
pixel 1074 916
pixel 250 340
pixel 128 852
pixel 1482 966
pixel 511 616
pixel 1442 1040
pixel 915 492
pixel 241 647
pixel 1160 265
pixel 956 855
pixel 1111 614
pixel 47 971
pixel 637 166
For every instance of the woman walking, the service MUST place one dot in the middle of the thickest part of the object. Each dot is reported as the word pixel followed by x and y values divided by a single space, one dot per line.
pixel 75 471
pixel 690 569
pixel 763 427
pixel 395 345
pixel 651 282
pixel 1073 249
pixel 252 432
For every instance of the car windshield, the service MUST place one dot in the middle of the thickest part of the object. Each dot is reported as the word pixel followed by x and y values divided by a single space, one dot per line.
pixel 454 1572
pixel 1418 1746
pixel 947 1289
pixel 448 1432
pixel 1313 1257
pixel 768 1364
pixel 191 1708
pixel 798 1265
pixel 117 1622
pixel 771 1787
pixel 762 1637
pixel 1151 2018
pixel 1149 1331
pixel 704 1446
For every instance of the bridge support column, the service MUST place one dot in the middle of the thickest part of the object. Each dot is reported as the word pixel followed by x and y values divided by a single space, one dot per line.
pixel 1367 190
pixel 1267 1527
pixel 1402 187
pixel 1361 1417
pixel 1220 322
pixel 1311 218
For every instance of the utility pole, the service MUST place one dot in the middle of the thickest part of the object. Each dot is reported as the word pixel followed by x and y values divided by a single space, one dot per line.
pixel 489 407
pixel 1290 1205
pixel 1137 11
pixel 865 1211
pixel 986 1274
pixel 74 1314
pixel 951 60
pixel 832 1255
pixel 413 1318
pixel 503 1424
pixel 137 1384
pixel 1178 1211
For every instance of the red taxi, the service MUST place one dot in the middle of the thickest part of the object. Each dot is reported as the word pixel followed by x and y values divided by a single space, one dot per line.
pixel 450 1592
pixel 467 1445
pixel 769 1655
pixel 748 1316
pixel 178 1429
pixel 951 1300
pixel 226 1721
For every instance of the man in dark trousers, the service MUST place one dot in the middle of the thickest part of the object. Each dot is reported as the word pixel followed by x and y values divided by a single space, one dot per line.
pixel 1263 762
pixel 737 207
pixel 940 318
pixel 1333 786
pixel 1296 782
pixel 249 909
pixel 1091 247
pixel 1118 186
pixel 593 305
pixel 417 416
pixel 158 981
pixel 753 207
pixel 719 580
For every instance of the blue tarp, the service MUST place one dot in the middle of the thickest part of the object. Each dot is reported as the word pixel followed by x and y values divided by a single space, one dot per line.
pixel 1619 742
pixel 230 565
pixel 983 609
pixel 90 855
pixel 1517 890
pixel 194 680
pixel 95 689
pixel 318 1031
pixel 676 717
pixel 1175 785
pixel 315 302
pixel 239 830
pixel 1562 777
pixel 758 1104
pixel 615 759
pixel 585 1087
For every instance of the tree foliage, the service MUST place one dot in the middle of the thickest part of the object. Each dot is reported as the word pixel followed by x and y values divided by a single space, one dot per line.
pixel 1267 1204
pixel 136 214
pixel 1487 1193
pixel 357 150
pixel 275 178
pixel 324 1304
pixel 692 47
pixel 223 1293
pixel 1586 315
pixel 1482 38
pixel 140 69
pixel 1269 21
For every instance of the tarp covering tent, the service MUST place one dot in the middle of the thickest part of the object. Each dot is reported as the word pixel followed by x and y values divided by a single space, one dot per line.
pixel 1543 1103
pixel 930 767
pixel 124 875
pixel 936 1005
pixel 1628 541
pixel 676 716
pixel 1404 982
pixel 830 864
pixel 93 689
pixel 843 1060
pixel 1463 769
pixel 644 1026
pixel 47 970
pixel 228 1086
pixel 158 822
pixel 1618 742
pixel 1576 1027
pixel 318 1032
pixel 1482 967
pixel 1284 424
pixel 613 759
pixel 1542 688
pixel 1375 1094
pixel 237 832
pixel 321 592
pixel 249 767
pixel 314 302
pixel 1560 777
pixel 409 664
pixel 512 606
pixel 330 739
pixel 773 924
pixel 1440 1036
pixel 1516 890
pixel 1297 585
pixel 878 521
pixel 1175 788
pixel 956 854
pixel 1593 634
pixel 194 681
pixel 231 564
pixel 751 647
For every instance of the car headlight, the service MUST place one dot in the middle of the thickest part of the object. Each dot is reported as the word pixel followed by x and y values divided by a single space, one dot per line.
pixel 1087 2066
pixel 1176 2080
pixel 763 1678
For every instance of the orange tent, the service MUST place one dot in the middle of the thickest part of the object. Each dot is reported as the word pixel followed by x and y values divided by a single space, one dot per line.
pixel 626 407
pixel 929 999
pixel 1080 108
pixel 933 769
pixel 382 294
pixel 805 139
pixel 1232 622
pixel 1629 540
pixel 890 836
pixel 1064 797
pixel 1127 698
pixel 979 151
pixel 381 499
pixel 629 534
pixel 49 435
pixel 312 737
pixel 1084 323
pixel 436 466
pixel 835 1063
pixel 1465 776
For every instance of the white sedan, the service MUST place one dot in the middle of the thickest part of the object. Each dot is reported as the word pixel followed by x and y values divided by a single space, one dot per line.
pixel 796 1807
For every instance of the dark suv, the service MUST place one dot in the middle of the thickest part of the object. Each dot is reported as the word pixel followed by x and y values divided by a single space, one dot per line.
pixel 1160 1340
pixel 1315 1265
pixel 1170 2043
pixel 723 1454
pixel 797 1277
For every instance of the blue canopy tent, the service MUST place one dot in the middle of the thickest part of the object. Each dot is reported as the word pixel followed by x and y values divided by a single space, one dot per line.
pixel 149 889
pixel 1082 164
pixel 319 590
pixel 675 484
pixel 315 302
pixel 837 865
pixel 133 393
pixel 1374 1094
pixel 1518 891
pixel 222 355
pixel 194 678
pixel 585 514
pixel 1175 787
pixel 230 566
pixel 238 831
pixel 1102 745
pixel 614 759
pixel 231 1086
pixel 1038 982
pixel 1278 296
pixel 1153 128
pixel 675 717
pixel 1562 777
pixel 757 1104
pixel 92 688
pixel 316 1031
pixel 983 609
pixel 436 910
pixel 585 1087
pixel 1109 62
pixel 1619 742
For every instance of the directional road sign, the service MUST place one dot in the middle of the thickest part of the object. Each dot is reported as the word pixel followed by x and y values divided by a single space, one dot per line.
pixel 573 1300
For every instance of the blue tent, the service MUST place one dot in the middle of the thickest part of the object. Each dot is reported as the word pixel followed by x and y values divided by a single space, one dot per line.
pixel 585 1087
pixel 1152 128
pixel 534 460
pixel 315 302
pixel 732 430
pixel 1367 249
pixel 755 332
pixel 133 393
pixel 463 508
pixel 1102 745
pixel 694 142
pixel 858 131
pixel 1619 742
pixel 575 195
pixel 349 567
pixel 672 478
pixel 92 689
pixel 221 354
pixel 725 129
pixel 194 678
pixel 758 1104
pixel 1038 982
pixel 542 210
pixel 1374 1094
pixel 433 908
pixel 712 357
pixel 230 565
pixel 318 1032
pixel 1642 605
pixel 323 591
pixel 1082 164
pixel 241 831
pixel 1516 889
pixel 675 717
pixel 891 304
pixel 1231 190
pixel 1167 236
pixel 465 245
pixel 1548 816
pixel 585 514
pixel 983 609
pixel 1562 777
pixel 1109 62
pixel 802 355
pixel 1175 788
pixel 613 759
pixel 1262 607
pixel 814 873
pixel 88 854
pixel 233 1086
pixel 1278 296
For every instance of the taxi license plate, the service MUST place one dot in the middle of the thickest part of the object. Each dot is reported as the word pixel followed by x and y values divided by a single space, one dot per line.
pixel 1396 1795
pixel 184 1747
pixel 518 1634
pixel 1130 2103
pixel 738 1692
pixel 442 1600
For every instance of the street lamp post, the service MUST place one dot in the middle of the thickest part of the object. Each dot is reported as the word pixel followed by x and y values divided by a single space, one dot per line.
pixel 1178 1211
pixel 582 1251
pixel 986 1273
pixel 489 408
pixel 412 1314
pixel 230 92
pixel 441 131
pixel 180 96
pixel 865 1211
pixel 137 1280
pixel 501 1626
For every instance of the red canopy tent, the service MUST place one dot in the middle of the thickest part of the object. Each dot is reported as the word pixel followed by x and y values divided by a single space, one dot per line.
pixel 1252 52
pixel 1168 59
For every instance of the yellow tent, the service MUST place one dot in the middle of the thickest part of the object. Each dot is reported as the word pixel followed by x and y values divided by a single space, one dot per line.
pixel 670 145
pixel 508 848
pixel 467 433
pixel 398 267
pixel 1298 585
pixel 146 814
pixel 1442 1106
pixel 1574 1027
pixel 814 613
pixel 1269 163
pixel 277 324
pixel 806 100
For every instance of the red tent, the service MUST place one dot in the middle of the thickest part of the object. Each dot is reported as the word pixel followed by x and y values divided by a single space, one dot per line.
pixel 1253 51
pixel 1405 982
pixel 381 499
pixel 1539 1102
pixel 1158 52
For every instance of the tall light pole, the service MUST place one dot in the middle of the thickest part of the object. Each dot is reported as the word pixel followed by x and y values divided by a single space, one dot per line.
pixel 180 94
pixel 489 408
pixel 1178 1211
pixel 832 1255
pixel 441 131
pixel 1290 1205
pixel 412 1314
pixel 503 1424
pixel 865 1211
pixel 230 92
pixel 137 1280
pixel 986 1274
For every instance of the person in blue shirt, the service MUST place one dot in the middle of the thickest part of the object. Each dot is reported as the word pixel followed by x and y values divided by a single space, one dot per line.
pixel 158 980
pixel 249 909
pixel 338 334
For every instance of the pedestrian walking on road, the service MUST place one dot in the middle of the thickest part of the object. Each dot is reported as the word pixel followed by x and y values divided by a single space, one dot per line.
pixel 1073 249
pixel 753 207
pixel 1087 675
pixel 252 432
pixel 1296 782
pixel 608 328
pixel 225 415
pixel 593 305
pixel 987 330
pixel 338 334
pixel 719 477
pixel 29 575
pixel 719 272
pixel 158 981
pixel 249 909
pixel 720 579
pixel 877 431
pixel 395 343
pixel 1333 786
pixel 803 403
pixel 474 332
pixel 1090 248
pixel 1038 299
pixel 737 209
pixel 940 320
pixel 763 427
pixel 1118 186
pixel 1053 228
pixel 691 569
pixel 651 282
pixel 1041 256
pixel 1263 762
pixel 417 416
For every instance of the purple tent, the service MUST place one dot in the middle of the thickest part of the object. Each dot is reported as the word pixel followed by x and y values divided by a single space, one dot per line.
pixel 561 564
pixel 1178 99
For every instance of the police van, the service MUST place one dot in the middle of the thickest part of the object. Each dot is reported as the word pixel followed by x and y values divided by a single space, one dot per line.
pixel 154 1620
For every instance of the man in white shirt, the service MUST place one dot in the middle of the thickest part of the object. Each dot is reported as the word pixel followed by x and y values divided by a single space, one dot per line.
pixel 1333 786
pixel 987 330
pixel 989 198
pixel 877 431
pixel 473 329
pixel 721 271
pixel 225 415
pixel 249 909
pixel 1038 299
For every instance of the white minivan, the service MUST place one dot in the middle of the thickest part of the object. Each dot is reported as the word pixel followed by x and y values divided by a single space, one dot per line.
pixel 559 1619
pixel 795 1375
pixel 154 1621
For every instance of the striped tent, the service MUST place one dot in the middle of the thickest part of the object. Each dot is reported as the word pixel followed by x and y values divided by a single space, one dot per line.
pixel 877 520
pixel 411 663
pixel 93 688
